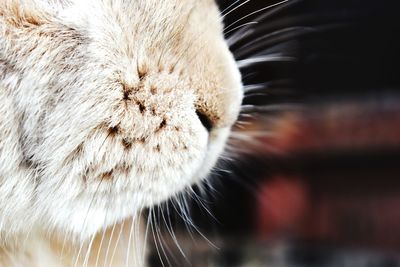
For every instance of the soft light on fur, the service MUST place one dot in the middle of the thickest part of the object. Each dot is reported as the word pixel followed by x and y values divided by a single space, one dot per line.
pixel 98 103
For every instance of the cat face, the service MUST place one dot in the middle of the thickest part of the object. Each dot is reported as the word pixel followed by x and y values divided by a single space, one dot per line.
pixel 124 103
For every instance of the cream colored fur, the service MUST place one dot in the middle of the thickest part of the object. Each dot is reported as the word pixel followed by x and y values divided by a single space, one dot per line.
pixel 98 102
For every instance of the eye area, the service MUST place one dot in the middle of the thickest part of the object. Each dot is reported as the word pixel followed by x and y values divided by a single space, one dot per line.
pixel 205 120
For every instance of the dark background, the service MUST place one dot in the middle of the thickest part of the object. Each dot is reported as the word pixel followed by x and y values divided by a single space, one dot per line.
pixel 319 182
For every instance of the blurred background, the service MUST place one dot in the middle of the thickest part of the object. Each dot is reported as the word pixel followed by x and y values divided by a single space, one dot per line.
pixel 311 176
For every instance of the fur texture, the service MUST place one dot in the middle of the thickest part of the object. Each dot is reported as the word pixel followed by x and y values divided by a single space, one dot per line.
pixel 99 104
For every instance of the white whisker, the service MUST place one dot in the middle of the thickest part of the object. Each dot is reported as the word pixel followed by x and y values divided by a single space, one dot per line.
pixel 267 108
pixel 154 237
pixel 117 242
pixel 183 207
pixel 145 239
pixel 172 234
pixel 109 244
pixel 274 37
pixel 100 247
pixel 246 31
pixel 242 4
pixel 254 87
pixel 260 59
pixel 166 251
pixel 200 201
pixel 241 26
pixel 230 6
pixel 129 242
pixel 233 39
pixel 254 12
pixel 88 252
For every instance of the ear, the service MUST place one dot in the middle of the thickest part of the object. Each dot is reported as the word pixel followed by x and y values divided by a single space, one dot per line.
pixel 23 13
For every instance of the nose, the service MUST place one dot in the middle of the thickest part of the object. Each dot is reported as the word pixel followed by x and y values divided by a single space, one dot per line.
pixel 205 120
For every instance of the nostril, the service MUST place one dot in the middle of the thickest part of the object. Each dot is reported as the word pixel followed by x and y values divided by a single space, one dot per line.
pixel 205 120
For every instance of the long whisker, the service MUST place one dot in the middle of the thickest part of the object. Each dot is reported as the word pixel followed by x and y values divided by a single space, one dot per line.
pixel 117 242
pixel 241 26
pixel 164 246
pixel 183 208
pixel 261 59
pixel 230 6
pixel 266 108
pixel 269 39
pixel 109 243
pixel 129 241
pixel 145 238
pixel 140 240
pixel 230 11
pixel 85 219
pixel 170 230
pixel 88 252
pixel 198 199
pixel 246 31
pixel 154 237
pixel 182 216
pixel 253 13
pixel 100 246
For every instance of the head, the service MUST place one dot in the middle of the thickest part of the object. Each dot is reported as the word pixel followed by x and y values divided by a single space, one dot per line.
pixel 124 103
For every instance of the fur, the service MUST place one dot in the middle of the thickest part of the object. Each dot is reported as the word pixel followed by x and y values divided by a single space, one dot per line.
pixel 99 104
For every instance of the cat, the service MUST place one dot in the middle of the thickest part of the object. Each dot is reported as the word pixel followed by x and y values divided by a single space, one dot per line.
pixel 107 107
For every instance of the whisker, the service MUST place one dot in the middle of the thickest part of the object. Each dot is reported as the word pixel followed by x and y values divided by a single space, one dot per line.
pixel 182 216
pixel 79 253
pixel 242 124
pixel 251 134
pixel 103 236
pixel 255 12
pixel 117 242
pixel 85 220
pixel 277 86
pixel 100 246
pixel 246 31
pixel 244 183
pixel 253 95
pixel 139 258
pixel 235 38
pixel 183 207
pixel 241 26
pixel 88 252
pixel 154 237
pixel 109 244
pixel 260 59
pixel 129 241
pixel 172 234
pixel 163 244
pixel 230 11
pixel 198 200
pixel 248 88
pixel 145 239
pixel 267 108
pixel 227 9
pixel 213 191
pixel 269 39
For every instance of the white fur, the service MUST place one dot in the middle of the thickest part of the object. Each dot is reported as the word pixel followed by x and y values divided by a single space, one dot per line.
pixel 75 156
